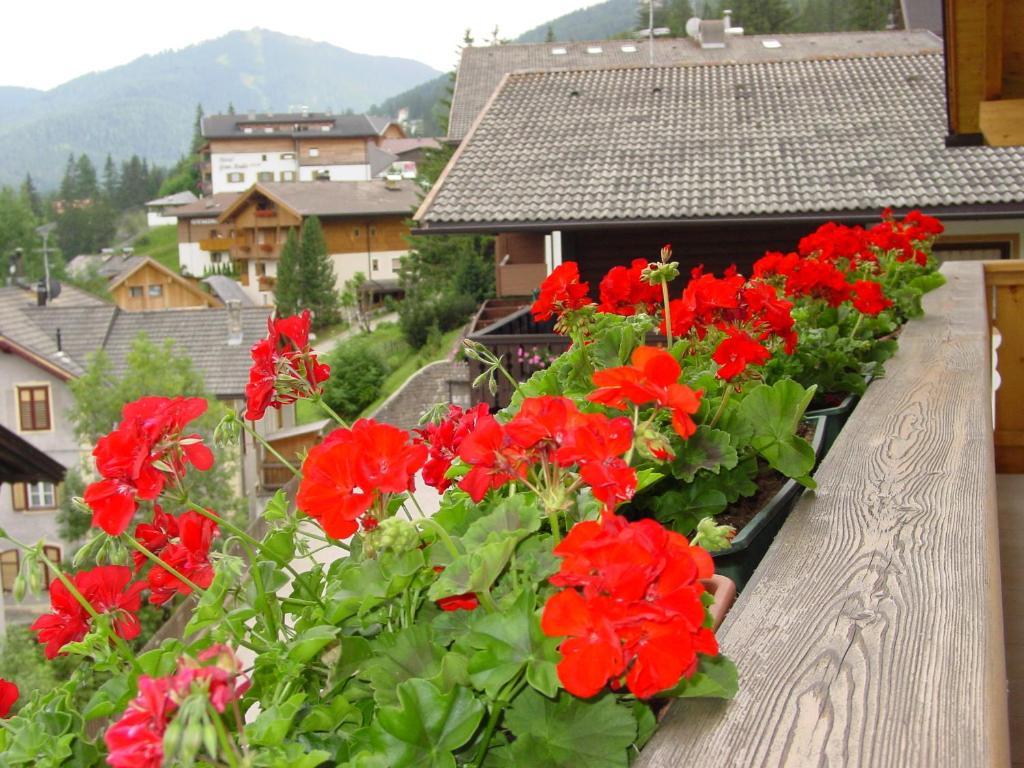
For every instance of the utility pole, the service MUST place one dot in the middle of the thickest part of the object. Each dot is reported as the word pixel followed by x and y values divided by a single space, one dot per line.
pixel 45 231
pixel 650 28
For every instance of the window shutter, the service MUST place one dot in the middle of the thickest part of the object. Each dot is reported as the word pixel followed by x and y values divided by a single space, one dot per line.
pixel 41 408
pixel 25 409
pixel 9 562
pixel 19 496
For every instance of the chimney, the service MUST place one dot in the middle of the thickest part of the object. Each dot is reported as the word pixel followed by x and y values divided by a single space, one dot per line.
pixel 727 18
pixel 391 180
pixel 234 307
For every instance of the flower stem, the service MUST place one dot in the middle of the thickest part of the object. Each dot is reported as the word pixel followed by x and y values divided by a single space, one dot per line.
pixel 721 406
pixel 158 563
pixel 856 325
pixel 668 313
pixel 555 527
pixel 497 710
pixel 267 446
pixel 322 404
pixel 442 534
pixel 487 601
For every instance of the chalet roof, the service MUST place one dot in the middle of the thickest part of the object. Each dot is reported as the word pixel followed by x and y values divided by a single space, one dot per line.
pixel 644 144
pixel 202 334
pixel 22 462
pixel 337 198
pixel 412 144
pixel 482 68
pixel 209 207
pixel 108 265
pixel 178 198
pixel 227 289
pixel 288 124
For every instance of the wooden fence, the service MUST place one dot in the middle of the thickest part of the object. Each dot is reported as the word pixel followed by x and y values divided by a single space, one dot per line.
pixel 1004 284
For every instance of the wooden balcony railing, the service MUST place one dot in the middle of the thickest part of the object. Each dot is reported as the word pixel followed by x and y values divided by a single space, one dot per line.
pixel 217 244
pixel 1004 284
pixel 872 632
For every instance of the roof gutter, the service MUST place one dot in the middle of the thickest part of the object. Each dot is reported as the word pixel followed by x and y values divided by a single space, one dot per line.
pixel 950 213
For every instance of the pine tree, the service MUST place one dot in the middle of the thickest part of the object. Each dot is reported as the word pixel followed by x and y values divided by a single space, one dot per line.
pixel 110 178
pixel 86 184
pixel 763 17
pixel 197 130
pixel 549 36
pixel 31 196
pixel 286 292
pixel 69 184
pixel 316 275
pixel 231 108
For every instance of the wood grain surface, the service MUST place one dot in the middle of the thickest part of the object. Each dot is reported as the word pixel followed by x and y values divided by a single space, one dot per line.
pixel 872 633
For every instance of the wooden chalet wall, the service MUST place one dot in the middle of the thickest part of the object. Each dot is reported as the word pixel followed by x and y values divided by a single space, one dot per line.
pixel 366 234
pixel 985 69
pixel 332 151
pixel 175 293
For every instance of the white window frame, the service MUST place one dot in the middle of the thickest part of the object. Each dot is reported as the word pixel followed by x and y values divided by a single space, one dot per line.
pixel 41 495
pixel 49 404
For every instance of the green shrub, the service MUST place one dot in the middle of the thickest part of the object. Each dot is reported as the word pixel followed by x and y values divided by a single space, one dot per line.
pixel 445 313
pixel 357 374
pixel 452 310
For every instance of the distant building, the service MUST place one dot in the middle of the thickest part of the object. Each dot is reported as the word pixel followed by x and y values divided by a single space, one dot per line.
pixel 364 225
pixel 140 283
pixel 160 212
pixel 242 150
pixel 203 245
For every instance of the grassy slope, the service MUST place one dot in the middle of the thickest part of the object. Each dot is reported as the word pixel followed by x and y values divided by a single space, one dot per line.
pixel 162 244
pixel 400 360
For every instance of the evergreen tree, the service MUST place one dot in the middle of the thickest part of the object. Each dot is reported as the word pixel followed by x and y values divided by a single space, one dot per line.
pixel 31 196
pixel 869 14
pixel 316 275
pixel 197 131
pixel 549 36
pixel 110 178
pixel 672 14
pixel 231 108
pixel 69 184
pixel 17 230
pixel 286 292
pixel 763 17
pixel 86 184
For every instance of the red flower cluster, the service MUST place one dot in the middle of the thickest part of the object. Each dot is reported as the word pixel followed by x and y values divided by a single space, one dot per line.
pixel 150 432
pixel 284 367
pixel 550 430
pixel 352 469
pixel 136 740
pixel 104 588
pixel 623 291
pixel 8 695
pixel 632 607
pixel 867 297
pixel 181 542
pixel 736 352
pixel 806 276
pixel 653 377
pixel 561 292
pixel 443 441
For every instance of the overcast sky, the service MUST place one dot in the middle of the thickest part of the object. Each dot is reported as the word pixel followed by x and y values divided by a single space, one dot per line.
pixel 44 43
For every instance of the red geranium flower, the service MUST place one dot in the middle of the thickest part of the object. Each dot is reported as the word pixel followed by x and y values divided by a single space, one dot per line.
pixel 623 291
pixel 136 740
pixel 150 431
pixel 189 556
pixel 492 458
pixel 632 607
pixel 464 602
pixel 736 352
pixel 443 441
pixel 653 377
pixel 561 292
pixel 106 588
pixel 352 470
pixel 8 695
pixel 869 298
pixel 284 368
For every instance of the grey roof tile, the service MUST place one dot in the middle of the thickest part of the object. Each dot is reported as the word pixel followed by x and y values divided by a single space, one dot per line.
pixel 693 141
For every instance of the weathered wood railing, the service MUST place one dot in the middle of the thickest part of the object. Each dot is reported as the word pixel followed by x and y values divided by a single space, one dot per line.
pixel 1004 283
pixel 872 632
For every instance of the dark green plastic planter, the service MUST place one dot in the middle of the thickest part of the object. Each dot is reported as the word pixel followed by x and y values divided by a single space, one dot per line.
pixel 835 419
pixel 742 557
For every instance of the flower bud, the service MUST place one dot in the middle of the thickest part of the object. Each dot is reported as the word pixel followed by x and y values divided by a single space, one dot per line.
pixel 19 588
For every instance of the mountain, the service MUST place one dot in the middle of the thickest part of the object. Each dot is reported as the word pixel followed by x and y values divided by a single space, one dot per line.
pixel 424 103
pixel 147 107
pixel 597 22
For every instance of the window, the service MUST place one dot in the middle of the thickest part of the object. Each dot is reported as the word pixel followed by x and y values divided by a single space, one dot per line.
pixel 236 177
pixel 265 176
pixel 321 175
pixel 247 130
pixel 34 408
pixel 373 230
pixel 215 257
pixel 287 175
pixel 374 266
pixel 314 152
pixel 287 155
pixel 10 564
pixel 261 268
pixel 263 157
pixel 135 291
pixel 156 290
pixel 32 496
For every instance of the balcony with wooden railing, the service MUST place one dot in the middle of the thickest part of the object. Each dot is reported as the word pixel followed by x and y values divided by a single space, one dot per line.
pixel 217 244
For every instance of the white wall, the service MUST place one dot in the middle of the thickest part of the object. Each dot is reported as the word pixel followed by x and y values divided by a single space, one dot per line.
pixel 249 164
pixel 156 219
pixel 1005 229
pixel 349 172
pixel 347 264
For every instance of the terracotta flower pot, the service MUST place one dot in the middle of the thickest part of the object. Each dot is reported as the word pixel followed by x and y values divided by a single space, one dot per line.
pixel 723 589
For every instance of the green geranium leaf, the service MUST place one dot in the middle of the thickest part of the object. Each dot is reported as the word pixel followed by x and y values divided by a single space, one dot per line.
pixel 409 653
pixel 475 572
pixel 684 506
pixel 327 717
pixel 716 678
pixel 290 756
pixel 775 412
pixel 281 546
pixel 310 642
pixel 424 729
pixel 503 643
pixel 277 507
pixel 110 697
pixel 569 732
pixel 707 448
pixel 514 518
pixel 274 722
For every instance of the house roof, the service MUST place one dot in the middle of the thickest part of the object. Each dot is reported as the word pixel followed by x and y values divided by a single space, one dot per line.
pixel 482 68
pixel 178 198
pixel 209 207
pixel 648 144
pixel 226 289
pixel 413 144
pixel 336 198
pixel 22 462
pixel 202 334
pixel 108 265
pixel 288 124
pixel 147 261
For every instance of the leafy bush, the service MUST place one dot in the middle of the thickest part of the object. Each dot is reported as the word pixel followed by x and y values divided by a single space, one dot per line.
pixel 444 313
pixel 357 374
